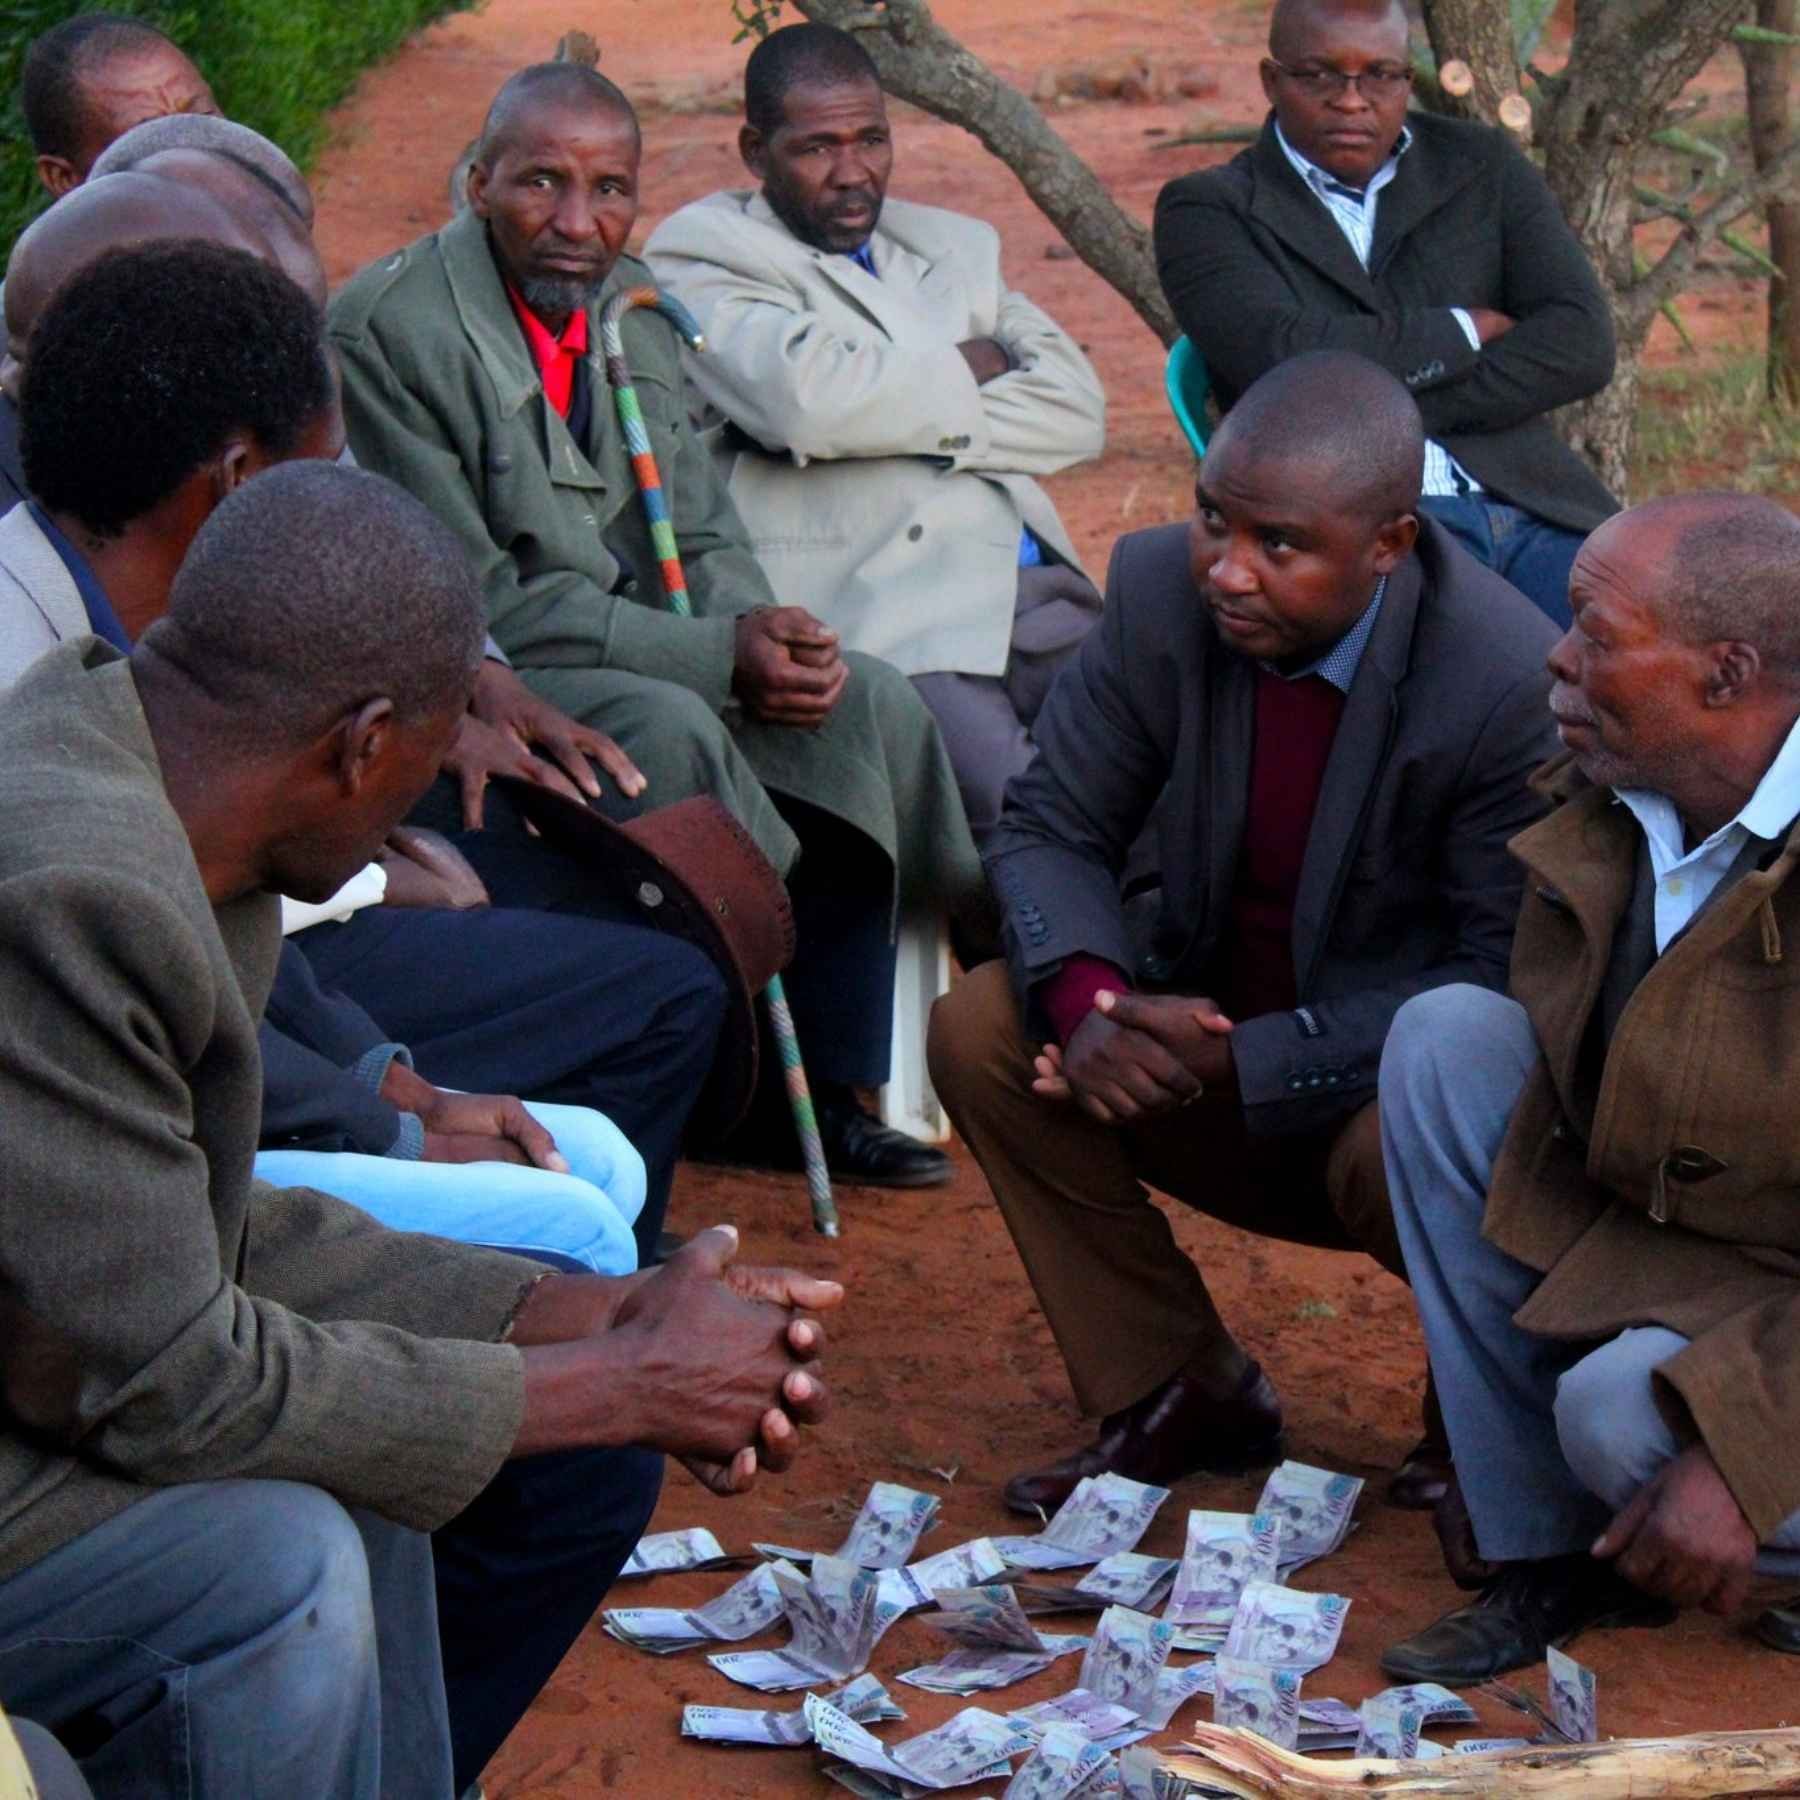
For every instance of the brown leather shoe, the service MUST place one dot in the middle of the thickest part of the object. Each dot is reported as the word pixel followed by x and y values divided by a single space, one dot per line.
pixel 1173 1431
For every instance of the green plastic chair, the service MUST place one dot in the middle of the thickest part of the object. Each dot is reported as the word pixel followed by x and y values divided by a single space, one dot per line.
pixel 1186 383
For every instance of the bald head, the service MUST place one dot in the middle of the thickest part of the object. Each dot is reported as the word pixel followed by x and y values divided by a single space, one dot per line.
pixel 265 160
pixel 1294 25
pixel 1345 427
pixel 119 212
pixel 1718 568
pixel 543 88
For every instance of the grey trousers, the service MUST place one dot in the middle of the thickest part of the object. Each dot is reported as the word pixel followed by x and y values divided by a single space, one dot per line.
pixel 986 720
pixel 1550 1438
pixel 236 1639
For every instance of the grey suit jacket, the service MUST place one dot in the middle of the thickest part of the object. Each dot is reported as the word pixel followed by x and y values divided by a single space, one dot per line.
pixel 1406 882
pixel 40 605
pixel 1257 271
pixel 166 1317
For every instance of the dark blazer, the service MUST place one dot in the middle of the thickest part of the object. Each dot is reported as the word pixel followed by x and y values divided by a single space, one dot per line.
pixel 1406 882
pixel 1257 271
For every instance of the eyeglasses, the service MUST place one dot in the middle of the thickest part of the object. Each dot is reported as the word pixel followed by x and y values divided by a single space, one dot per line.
pixel 1386 81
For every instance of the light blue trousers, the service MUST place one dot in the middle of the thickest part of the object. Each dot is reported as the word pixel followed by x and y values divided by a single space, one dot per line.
pixel 585 1216
pixel 1550 1438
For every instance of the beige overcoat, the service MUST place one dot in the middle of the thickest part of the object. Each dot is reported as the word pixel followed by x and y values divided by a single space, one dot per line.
pixel 880 486
pixel 1667 1192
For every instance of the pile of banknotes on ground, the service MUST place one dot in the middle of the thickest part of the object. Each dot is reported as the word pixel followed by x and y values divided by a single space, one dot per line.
pixel 1226 1599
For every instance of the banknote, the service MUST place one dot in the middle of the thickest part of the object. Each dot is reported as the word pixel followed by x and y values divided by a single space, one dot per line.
pixel 1435 1701
pixel 1065 1760
pixel 770 1671
pixel 1126 1656
pixel 745 1608
pixel 1174 1688
pixel 835 1614
pixel 1479 1746
pixel 883 1535
pixel 972 1745
pixel 1286 1628
pixel 1327 1725
pixel 663 1552
pixel 1390 1727
pixel 899 1591
pixel 966 1565
pixel 1057 1597
pixel 1129 1579
pixel 1138 1770
pixel 1103 1722
pixel 1572 1699
pixel 1315 1508
pixel 976 1668
pixel 1223 1555
pixel 987 1616
pixel 863 1700
pixel 1105 1514
pixel 1258 1698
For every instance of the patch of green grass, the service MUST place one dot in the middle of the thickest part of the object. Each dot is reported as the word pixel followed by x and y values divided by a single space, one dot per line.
pixel 1713 425
pixel 275 65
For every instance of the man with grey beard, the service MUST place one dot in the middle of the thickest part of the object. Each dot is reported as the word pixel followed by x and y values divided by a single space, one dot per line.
pixel 1594 1180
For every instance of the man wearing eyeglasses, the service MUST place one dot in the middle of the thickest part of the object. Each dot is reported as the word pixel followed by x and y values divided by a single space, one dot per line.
pixel 1429 245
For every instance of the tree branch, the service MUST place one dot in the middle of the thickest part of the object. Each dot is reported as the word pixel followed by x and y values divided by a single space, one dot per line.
pixel 919 61
pixel 1676 263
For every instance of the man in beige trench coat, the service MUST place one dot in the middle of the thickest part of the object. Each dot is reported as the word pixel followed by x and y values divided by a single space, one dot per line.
pixel 1595 1181
pixel 889 402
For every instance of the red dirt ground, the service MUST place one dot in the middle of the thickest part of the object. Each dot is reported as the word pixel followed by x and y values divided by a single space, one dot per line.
pixel 945 1376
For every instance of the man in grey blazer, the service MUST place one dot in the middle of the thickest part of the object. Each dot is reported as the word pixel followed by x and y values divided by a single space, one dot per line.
pixel 256 1450
pixel 1332 711
pixel 1431 246
pixel 889 403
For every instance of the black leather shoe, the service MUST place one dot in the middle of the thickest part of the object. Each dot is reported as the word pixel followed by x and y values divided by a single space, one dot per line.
pixel 1175 1430
pixel 859 1149
pixel 1422 1480
pixel 1528 1607
pixel 1779 1627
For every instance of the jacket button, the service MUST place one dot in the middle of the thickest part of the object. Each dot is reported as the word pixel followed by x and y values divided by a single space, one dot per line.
pixel 1295 1084
pixel 914 533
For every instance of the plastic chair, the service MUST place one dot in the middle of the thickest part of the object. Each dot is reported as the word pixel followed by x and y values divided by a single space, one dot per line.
pixel 1187 383
pixel 908 1102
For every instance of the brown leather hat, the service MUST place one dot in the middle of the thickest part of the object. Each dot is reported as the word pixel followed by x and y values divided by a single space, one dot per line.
pixel 692 869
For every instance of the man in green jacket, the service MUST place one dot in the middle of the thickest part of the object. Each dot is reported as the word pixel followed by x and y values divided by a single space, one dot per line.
pixel 472 376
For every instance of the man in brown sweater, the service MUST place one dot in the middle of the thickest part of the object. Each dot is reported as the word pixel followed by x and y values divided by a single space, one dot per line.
pixel 276 1509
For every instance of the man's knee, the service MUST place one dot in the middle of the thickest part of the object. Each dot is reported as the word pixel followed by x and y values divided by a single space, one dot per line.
pixel 294 1553
pixel 1435 1032
pixel 1612 1434
pixel 974 1042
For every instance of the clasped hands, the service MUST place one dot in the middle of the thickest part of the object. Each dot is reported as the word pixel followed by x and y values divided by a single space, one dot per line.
pixel 714 1362
pixel 787 668
pixel 1137 1055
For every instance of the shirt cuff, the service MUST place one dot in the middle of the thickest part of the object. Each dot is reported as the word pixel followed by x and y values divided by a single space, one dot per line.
pixel 1466 320
pixel 409 1145
pixel 1067 997
pixel 370 1069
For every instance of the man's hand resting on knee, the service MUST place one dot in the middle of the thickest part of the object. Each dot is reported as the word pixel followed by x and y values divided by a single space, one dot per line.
pixel 788 669
pixel 711 1362
pixel 1137 1055
pixel 1684 1537
pixel 468 1128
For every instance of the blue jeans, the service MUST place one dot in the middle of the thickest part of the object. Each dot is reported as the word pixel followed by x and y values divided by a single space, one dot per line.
pixel 1551 1438
pixel 1534 555
pixel 585 1216
pixel 224 1639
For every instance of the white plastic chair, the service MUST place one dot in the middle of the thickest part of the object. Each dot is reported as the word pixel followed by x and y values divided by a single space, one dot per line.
pixel 908 1102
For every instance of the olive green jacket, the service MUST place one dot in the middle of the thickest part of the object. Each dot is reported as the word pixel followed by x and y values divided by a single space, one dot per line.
pixel 441 394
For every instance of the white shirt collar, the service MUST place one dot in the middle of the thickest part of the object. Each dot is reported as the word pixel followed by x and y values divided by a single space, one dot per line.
pixel 1317 179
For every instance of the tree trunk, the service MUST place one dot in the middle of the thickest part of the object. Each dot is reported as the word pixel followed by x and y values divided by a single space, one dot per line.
pixel 1479 33
pixel 921 62
pixel 1768 69
pixel 1700 1767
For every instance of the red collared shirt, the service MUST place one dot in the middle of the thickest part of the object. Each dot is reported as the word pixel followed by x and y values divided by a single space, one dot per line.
pixel 555 356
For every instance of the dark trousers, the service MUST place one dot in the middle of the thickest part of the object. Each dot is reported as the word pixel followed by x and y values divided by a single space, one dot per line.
pixel 520 1572
pixel 578 1006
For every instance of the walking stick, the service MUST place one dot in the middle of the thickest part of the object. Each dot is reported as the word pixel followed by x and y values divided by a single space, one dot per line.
pixel 674 583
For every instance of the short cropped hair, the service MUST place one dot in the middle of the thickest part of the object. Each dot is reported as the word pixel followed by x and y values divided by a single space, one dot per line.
pixel 552 83
pixel 1291 18
pixel 250 150
pixel 1733 572
pixel 147 360
pixel 1348 418
pixel 820 54
pixel 50 82
pixel 313 590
